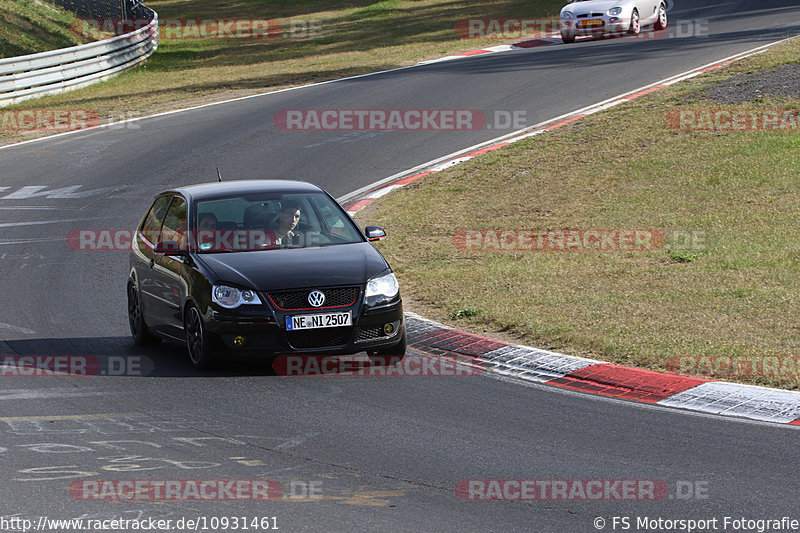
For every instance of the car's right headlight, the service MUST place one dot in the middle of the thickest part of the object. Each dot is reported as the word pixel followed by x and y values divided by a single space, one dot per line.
pixel 614 11
pixel 566 14
pixel 231 297
pixel 381 289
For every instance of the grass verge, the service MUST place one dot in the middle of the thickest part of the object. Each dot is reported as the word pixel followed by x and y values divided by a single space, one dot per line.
pixel 726 282
pixel 31 26
pixel 319 40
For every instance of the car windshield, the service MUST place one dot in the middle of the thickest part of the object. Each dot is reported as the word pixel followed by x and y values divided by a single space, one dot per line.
pixel 262 221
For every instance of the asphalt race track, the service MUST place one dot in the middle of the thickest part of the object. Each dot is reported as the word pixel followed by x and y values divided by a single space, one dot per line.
pixel 375 454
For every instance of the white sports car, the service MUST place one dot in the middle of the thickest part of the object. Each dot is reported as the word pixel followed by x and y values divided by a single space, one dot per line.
pixel 611 17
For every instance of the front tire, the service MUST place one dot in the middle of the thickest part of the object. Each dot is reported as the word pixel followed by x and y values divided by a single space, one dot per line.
pixel 567 38
pixel 139 330
pixel 636 24
pixel 661 23
pixel 197 340
pixel 390 356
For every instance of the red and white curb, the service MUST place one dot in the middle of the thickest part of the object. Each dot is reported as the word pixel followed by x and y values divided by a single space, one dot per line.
pixel 359 199
pixel 606 379
pixel 544 41
pixel 576 373
pixel 553 38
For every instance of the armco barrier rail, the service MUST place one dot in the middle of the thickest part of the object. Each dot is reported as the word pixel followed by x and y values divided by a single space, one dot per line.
pixel 66 69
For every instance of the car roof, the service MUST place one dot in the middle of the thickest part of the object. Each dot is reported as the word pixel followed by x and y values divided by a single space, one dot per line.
pixel 205 191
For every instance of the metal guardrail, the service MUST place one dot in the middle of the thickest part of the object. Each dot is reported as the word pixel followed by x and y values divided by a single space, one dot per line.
pixel 57 71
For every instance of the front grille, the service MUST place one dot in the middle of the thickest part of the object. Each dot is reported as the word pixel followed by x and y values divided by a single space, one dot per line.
pixel 582 16
pixel 366 334
pixel 298 300
pixel 597 14
pixel 318 338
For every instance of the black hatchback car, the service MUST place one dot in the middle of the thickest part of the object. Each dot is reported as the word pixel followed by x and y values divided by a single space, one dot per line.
pixel 261 267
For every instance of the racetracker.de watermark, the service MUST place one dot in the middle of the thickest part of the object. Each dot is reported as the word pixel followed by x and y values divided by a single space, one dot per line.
pixel 73 365
pixel 155 490
pixel 680 29
pixel 580 240
pixel 506 28
pixel 379 119
pixel 734 119
pixel 579 490
pixel 204 240
pixel 181 29
pixel 544 28
pixel 398 119
pixel 559 239
pixel 380 366
pixel 732 366
pixel 22 120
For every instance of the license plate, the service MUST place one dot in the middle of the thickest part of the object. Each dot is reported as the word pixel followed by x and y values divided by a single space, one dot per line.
pixel 590 23
pixel 326 320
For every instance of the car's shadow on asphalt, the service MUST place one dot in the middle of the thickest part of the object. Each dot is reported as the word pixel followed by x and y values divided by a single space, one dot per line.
pixel 120 357
pixel 115 357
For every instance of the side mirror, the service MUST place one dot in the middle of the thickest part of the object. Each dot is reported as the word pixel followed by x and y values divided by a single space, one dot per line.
pixel 169 248
pixel 374 233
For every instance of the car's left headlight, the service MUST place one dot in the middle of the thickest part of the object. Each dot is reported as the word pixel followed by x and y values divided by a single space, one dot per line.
pixel 566 14
pixel 231 297
pixel 614 11
pixel 381 289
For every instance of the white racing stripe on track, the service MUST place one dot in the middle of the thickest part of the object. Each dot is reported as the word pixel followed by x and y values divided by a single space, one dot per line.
pixel 40 222
pixel 448 160
pixel 36 394
pixel 174 111
pixel 17 329
pixel 36 207
pixel 29 241
pixel 448 164
pixel 36 222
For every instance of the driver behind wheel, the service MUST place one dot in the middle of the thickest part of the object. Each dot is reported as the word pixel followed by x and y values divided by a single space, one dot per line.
pixel 288 217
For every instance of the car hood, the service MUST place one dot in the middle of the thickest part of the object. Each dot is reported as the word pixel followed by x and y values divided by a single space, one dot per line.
pixel 593 6
pixel 294 268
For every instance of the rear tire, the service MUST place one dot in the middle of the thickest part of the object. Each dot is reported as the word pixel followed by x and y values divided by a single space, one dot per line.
pixel 661 23
pixel 197 340
pixel 139 330
pixel 636 24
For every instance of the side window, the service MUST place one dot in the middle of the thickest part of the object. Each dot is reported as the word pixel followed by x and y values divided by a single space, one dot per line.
pixel 174 228
pixel 151 227
pixel 336 223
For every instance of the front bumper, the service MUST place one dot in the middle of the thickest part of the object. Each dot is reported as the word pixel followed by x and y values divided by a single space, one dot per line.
pixel 260 330
pixel 605 25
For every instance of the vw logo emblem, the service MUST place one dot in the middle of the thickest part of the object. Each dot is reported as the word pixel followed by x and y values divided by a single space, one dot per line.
pixel 316 298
